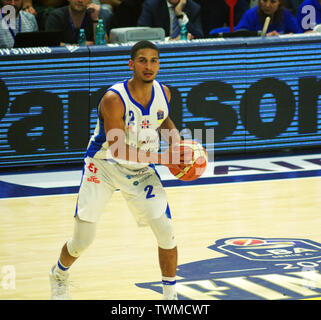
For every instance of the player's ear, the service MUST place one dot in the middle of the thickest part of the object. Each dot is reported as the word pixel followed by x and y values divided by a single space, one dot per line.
pixel 130 63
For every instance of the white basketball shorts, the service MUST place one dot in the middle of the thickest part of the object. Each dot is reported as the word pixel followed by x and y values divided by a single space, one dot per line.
pixel 142 189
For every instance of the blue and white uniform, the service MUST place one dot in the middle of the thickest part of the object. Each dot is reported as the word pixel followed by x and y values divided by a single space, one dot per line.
pixel 141 124
pixel 138 182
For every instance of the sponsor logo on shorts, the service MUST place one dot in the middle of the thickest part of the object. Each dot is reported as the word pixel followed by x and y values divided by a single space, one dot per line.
pixel 92 168
pixel 93 179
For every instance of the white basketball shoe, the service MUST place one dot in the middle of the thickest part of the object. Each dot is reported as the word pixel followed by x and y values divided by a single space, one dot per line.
pixel 59 285
pixel 170 297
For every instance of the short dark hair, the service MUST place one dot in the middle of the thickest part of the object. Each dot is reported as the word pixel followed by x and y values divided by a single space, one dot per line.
pixel 142 45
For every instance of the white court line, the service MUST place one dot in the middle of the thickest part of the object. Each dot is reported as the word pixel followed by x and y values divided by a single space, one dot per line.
pixel 238 270
pixel 173 187
pixel 72 178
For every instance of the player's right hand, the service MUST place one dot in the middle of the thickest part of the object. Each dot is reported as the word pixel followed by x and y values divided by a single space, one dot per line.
pixel 176 155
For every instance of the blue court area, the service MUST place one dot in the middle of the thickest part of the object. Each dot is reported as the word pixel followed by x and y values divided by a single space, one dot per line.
pixel 52 180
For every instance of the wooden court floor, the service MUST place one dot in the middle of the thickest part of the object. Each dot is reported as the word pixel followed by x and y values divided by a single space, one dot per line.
pixel 33 229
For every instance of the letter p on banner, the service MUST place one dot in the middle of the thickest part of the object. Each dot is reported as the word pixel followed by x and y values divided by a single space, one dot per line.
pixel 9 279
pixel 8 15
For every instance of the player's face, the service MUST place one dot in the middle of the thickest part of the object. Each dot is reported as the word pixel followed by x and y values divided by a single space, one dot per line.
pixel 145 65
pixel 269 7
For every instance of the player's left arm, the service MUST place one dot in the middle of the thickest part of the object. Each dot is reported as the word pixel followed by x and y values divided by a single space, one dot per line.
pixel 168 129
pixel 170 133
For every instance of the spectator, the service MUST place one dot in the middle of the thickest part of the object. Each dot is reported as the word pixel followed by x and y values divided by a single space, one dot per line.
pixel 309 15
pixel 293 6
pixel 282 20
pixel 167 14
pixel 107 8
pixel 253 3
pixel 127 13
pixel 42 8
pixel 216 14
pixel 24 22
pixel 70 19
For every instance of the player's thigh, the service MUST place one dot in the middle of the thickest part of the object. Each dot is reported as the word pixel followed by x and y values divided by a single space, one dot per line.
pixel 95 191
pixel 146 198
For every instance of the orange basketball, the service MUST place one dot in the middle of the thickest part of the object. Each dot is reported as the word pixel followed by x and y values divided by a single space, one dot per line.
pixel 195 169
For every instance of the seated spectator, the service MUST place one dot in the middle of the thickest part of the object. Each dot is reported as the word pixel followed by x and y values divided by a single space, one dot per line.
pixel 70 19
pixel 24 22
pixel 171 15
pixel 253 3
pixel 282 20
pixel 216 14
pixel 309 15
pixel 107 8
pixel 42 8
pixel 293 6
pixel 127 13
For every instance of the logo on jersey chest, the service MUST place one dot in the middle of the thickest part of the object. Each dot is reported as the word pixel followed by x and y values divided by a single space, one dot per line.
pixel 160 116
pixel 145 124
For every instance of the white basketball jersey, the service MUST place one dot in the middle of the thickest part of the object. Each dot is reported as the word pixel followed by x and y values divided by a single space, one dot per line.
pixel 141 124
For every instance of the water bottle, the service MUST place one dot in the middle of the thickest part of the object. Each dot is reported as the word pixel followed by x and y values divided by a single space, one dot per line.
pixel 82 38
pixel 100 33
pixel 183 32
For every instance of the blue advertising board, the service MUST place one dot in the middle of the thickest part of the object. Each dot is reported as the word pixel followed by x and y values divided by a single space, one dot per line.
pixel 258 95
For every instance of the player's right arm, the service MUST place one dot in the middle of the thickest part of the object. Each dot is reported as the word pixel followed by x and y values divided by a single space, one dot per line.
pixel 111 111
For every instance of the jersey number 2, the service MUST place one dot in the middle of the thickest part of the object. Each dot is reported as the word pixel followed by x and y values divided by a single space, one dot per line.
pixel 149 190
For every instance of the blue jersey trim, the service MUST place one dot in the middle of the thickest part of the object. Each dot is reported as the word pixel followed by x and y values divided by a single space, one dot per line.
pixel 114 90
pixel 82 177
pixel 167 102
pixel 167 211
pixel 98 141
pixel 145 111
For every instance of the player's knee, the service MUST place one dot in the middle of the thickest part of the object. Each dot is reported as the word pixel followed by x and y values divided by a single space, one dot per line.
pixel 164 232
pixel 76 247
pixel 167 241
pixel 83 236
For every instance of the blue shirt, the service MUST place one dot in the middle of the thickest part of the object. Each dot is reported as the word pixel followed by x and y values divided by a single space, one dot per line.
pixel 305 13
pixel 251 21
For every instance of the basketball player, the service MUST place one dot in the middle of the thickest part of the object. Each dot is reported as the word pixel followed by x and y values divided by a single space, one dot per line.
pixel 120 155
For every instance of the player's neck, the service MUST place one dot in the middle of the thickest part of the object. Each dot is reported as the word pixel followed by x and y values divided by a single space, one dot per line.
pixel 140 91
pixel 140 87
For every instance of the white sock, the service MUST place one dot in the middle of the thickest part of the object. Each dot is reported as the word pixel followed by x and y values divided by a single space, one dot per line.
pixel 60 268
pixel 169 286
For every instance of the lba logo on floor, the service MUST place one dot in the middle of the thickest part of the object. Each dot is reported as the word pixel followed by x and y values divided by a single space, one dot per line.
pixel 252 268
